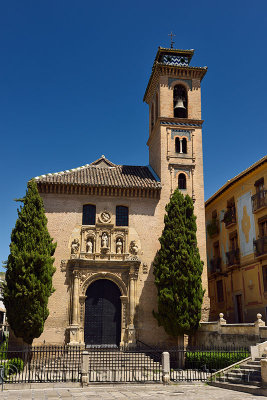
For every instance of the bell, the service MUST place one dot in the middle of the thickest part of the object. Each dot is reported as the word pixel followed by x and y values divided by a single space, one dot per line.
pixel 179 103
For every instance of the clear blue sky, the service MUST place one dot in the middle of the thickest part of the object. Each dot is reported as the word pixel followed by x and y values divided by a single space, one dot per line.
pixel 73 75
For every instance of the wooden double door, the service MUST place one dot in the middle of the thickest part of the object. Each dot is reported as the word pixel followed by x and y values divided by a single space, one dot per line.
pixel 102 324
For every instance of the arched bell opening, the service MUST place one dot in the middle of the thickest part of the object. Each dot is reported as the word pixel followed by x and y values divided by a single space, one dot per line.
pixel 102 320
pixel 180 102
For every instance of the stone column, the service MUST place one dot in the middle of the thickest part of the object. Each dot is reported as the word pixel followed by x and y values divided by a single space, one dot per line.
pixel 181 145
pixel 131 329
pixel 75 298
pixel 166 370
pixel 74 327
pixel 85 368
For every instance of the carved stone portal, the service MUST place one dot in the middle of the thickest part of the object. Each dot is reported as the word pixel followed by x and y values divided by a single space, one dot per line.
pixel 125 277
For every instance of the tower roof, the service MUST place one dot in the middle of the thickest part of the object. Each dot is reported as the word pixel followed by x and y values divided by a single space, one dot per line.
pixel 170 61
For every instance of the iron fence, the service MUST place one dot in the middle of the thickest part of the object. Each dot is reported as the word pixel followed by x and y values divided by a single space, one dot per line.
pixel 41 364
pixel 140 363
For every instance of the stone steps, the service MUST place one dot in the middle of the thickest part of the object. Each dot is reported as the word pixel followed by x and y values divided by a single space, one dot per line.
pixel 244 377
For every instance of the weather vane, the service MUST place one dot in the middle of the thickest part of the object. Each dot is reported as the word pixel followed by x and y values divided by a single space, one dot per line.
pixel 172 42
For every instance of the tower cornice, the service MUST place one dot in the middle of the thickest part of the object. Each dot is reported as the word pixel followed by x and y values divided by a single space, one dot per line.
pixel 177 71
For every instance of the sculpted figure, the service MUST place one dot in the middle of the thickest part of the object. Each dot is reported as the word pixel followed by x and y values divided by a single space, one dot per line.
pixel 133 247
pixel 75 246
pixel 104 241
pixel 119 246
pixel 89 246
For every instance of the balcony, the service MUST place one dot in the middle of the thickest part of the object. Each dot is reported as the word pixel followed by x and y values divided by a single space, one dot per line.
pixel 215 265
pixel 260 246
pixel 259 200
pixel 233 257
pixel 229 217
pixel 213 227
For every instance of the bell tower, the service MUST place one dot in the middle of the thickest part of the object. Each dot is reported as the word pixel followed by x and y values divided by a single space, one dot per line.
pixel 173 94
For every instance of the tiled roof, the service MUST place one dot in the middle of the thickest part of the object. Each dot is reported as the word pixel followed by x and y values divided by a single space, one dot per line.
pixel 103 173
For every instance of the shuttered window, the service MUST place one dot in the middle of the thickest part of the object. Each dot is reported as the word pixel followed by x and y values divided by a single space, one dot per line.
pixel 122 216
pixel 89 211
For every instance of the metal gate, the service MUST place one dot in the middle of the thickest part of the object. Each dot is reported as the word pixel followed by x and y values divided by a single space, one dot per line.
pixel 102 325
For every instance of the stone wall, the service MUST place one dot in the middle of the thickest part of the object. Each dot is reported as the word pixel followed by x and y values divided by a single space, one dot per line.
pixel 219 333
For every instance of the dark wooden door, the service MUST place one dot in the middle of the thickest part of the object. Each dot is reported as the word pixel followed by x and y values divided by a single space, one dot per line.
pixel 102 324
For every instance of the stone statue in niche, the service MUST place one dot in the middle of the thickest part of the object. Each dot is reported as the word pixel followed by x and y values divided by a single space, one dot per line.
pixel 89 246
pixel 119 246
pixel 133 247
pixel 75 246
pixel 104 240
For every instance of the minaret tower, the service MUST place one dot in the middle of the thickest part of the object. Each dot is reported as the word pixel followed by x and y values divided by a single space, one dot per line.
pixel 173 94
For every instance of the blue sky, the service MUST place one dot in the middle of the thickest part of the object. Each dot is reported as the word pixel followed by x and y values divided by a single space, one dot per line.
pixel 73 75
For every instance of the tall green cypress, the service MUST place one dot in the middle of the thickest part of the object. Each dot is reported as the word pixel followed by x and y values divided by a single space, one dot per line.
pixel 29 268
pixel 178 269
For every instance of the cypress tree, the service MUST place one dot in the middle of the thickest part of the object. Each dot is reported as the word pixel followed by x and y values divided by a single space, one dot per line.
pixel 178 269
pixel 29 268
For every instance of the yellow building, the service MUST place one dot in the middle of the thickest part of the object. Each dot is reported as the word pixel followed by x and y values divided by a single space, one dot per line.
pixel 236 222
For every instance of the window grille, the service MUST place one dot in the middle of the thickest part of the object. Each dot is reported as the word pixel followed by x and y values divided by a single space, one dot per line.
pixel 89 211
pixel 122 216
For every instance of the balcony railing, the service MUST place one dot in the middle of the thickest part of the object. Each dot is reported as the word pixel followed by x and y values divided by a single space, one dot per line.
pixel 229 217
pixel 260 246
pixel 215 265
pixel 259 200
pixel 233 257
pixel 213 227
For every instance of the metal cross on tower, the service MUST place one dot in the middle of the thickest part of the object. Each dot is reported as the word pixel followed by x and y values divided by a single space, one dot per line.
pixel 172 41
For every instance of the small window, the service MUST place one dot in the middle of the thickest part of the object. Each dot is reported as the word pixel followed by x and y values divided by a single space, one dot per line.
pixel 177 145
pixel 264 276
pixel 263 227
pixel 259 185
pixel 214 214
pixel 122 216
pixel 216 249
pixel 181 181
pixel 184 146
pixel 89 211
pixel 220 296
pixel 233 240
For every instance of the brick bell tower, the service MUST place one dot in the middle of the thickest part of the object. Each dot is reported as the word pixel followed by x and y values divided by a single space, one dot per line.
pixel 173 94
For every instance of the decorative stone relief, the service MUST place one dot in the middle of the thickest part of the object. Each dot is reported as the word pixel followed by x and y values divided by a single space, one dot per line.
pixel 75 245
pixel 105 217
pixel 133 247
pixel 63 265
pixel 145 268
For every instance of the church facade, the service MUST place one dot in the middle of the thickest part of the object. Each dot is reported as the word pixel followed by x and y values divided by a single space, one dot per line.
pixel 107 219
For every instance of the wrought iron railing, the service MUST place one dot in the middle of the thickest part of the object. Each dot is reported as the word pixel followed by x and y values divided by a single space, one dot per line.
pixel 260 246
pixel 135 363
pixel 215 265
pixel 213 227
pixel 233 257
pixel 41 364
pixel 259 200
pixel 229 216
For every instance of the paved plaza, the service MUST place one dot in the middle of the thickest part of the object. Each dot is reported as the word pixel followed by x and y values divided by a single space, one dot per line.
pixel 109 392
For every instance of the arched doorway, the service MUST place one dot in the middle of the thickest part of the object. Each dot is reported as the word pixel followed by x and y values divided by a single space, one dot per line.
pixel 102 322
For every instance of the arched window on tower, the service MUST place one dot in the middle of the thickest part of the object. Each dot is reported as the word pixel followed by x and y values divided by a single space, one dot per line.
pixel 177 145
pixel 184 146
pixel 181 181
pixel 157 107
pixel 152 116
pixel 180 101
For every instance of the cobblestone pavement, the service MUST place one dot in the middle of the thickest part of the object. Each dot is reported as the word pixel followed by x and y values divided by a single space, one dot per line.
pixel 142 392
